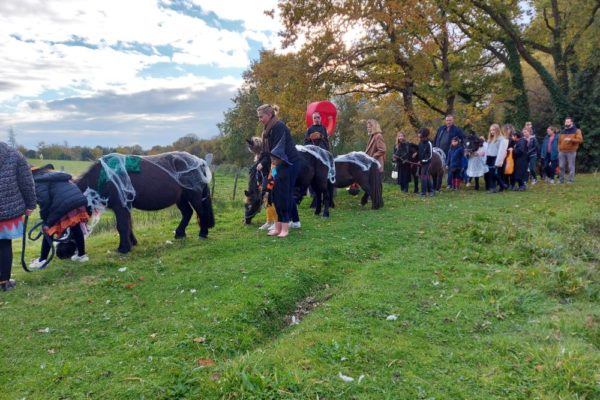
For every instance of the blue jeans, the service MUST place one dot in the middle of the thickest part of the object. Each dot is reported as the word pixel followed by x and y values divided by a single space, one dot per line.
pixel 532 162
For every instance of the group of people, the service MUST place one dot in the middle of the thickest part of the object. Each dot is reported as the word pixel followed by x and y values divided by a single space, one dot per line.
pixel 506 159
pixel 62 207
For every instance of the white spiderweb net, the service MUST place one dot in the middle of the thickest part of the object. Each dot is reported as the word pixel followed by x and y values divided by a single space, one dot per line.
pixel 322 155
pixel 440 153
pixel 114 166
pixel 360 158
pixel 97 205
pixel 187 170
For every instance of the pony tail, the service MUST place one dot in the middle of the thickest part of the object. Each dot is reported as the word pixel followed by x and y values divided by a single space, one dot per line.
pixel 376 186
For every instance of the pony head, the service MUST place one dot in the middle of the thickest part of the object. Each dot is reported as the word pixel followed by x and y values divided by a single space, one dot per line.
pixel 254 145
pixel 472 143
pixel 253 199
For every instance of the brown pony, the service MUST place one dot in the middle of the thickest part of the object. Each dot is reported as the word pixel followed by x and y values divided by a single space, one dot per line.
pixel 155 189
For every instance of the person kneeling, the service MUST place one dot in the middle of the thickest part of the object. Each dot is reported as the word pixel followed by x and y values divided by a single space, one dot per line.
pixel 62 207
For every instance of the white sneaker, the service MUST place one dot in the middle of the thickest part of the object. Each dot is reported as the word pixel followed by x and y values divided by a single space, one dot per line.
pixel 37 264
pixel 267 226
pixel 82 258
pixel 533 182
pixel 295 224
pixel 551 181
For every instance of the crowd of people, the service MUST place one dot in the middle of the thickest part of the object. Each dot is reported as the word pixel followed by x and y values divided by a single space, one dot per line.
pixel 508 159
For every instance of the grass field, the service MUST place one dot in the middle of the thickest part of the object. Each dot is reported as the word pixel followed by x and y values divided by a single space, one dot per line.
pixel 465 295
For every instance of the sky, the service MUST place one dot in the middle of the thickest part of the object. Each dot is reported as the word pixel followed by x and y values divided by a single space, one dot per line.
pixel 125 72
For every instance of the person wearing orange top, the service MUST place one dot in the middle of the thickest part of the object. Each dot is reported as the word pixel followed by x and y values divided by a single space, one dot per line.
pixel 568 143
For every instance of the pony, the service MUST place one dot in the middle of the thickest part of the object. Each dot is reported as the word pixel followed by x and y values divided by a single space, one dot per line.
pixel 409 158
pixel 438 162
pixel 154 189
pixel 370 181
pixel 313 174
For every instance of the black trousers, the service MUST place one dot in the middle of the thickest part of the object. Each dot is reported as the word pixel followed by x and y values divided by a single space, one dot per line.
pixel 76 235
pixel 6 258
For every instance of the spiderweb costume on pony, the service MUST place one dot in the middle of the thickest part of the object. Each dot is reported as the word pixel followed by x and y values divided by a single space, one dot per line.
pixel 322 155
pixel 149 183
pixel 359 158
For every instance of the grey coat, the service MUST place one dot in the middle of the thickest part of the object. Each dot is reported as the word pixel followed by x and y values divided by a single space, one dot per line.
pixel 17 191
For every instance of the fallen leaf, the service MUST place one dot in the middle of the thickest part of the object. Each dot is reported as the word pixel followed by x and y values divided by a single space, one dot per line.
pixel 589 321
pixel 51 351
pixel 200 339
pixel 43 330
pixel 153 335
pixel 131 285
pixel 141 278
pixel 123 269
pixel 205 362
pixel 392 317
pixel 539 367
pixel 215 376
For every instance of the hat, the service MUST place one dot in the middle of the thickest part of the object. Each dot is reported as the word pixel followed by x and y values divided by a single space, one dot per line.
pixel 279 152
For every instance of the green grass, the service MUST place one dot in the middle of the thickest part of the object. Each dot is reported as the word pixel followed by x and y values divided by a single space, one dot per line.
pixel 496 297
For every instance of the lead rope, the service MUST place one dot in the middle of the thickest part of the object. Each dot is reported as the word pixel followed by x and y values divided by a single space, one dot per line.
pixel 28 235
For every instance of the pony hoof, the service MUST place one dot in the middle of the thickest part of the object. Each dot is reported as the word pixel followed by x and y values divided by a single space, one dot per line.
pixel 202 237
pixel 123 251
pixel 178 236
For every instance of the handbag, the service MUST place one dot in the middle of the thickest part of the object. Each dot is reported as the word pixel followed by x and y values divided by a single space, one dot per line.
pixel 509 168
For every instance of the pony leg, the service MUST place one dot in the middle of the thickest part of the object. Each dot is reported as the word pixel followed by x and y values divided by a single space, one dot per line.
pixel 318 199
pixel 132 237
pixel 202 204
pixel 123 217
pixel 186 215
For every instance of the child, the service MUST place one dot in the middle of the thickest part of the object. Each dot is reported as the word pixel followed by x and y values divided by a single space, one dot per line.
pixel 520 158
pixel 456 156
pixel 476 163
pixel 17 197
pixel 425 155
pixel 62 206
pixel 268 202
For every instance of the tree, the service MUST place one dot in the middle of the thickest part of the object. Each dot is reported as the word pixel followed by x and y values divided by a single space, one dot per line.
pixel 408 47
pixel 561 38
pixel 240 124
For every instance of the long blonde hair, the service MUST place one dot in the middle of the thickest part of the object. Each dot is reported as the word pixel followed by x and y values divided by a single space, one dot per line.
pixel 492 138
pixel 375 125
pixel 507 130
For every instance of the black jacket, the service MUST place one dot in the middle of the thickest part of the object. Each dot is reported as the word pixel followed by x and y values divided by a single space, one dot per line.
pixel 425 152
pixel 56 195
pixel 323 142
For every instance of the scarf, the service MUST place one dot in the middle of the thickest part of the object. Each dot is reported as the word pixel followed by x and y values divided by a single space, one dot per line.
pixel 266 134
pixel 572 129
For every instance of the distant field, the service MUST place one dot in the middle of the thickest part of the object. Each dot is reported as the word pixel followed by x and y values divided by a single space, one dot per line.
pixel 461 296
pixel 72 167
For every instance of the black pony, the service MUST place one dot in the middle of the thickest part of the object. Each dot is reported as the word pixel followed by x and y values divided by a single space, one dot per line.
pixel 370 181
pixel 313 173
pixel 408 158
pixel 155 189
pixel 473 143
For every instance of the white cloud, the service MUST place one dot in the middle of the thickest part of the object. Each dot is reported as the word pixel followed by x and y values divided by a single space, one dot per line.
pixel 68 63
